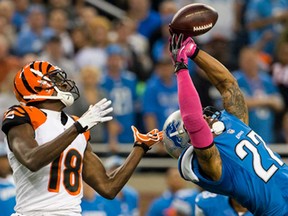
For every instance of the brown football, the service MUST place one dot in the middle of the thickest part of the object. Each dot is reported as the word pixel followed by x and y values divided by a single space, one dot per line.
pixel 193 20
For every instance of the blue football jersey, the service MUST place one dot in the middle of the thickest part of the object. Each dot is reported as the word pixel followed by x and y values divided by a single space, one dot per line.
pixel 94 207
pixel 251 173
pixel 168 200
pixel 122 92
pixel 211 204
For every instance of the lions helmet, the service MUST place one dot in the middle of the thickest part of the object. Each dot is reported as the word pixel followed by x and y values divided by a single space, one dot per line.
pixel 40 80
pixel 175 137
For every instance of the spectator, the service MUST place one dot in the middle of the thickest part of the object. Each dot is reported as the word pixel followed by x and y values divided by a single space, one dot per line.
pixel 160 97
pixel 210 204
pixel 239 27
pixel 121 86
pixel 160 48
pixel 6 24
pixel 148 20
pixel 86 14
pixel 159 43
pixel 66 5
pixel 7 187
pixel 7 98
pixel 94 53
pixel 280 67
pixel 176 193
pixel 136 47
pixel 279 73
pixel 207 92
pixel 58 21
pixel 21 13
pixel 54 53
pixel 264 19
pixel 261 95
pixel 79 38
pixel 168 8
pixel 91 204
pixel 91 92
pixel 8 62
pixel 126 203
pixel 32 38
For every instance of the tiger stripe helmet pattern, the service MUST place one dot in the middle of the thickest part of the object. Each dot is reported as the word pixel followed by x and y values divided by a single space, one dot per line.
pixel 38 81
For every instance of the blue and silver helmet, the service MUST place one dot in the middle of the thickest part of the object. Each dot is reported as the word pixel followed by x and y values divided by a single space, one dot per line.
pixel 175 138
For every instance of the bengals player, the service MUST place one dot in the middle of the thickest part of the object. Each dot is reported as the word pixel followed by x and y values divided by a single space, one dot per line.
pixel 49 150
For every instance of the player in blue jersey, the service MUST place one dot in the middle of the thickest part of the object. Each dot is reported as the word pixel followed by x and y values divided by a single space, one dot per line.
pixel 177 198
pixel 211 204
pixel 226 156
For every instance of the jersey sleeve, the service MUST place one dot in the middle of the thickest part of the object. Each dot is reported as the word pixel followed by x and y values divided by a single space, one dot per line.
pixel 185 165
pixel 14 116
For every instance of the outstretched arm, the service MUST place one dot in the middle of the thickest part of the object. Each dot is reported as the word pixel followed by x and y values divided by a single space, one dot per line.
pixel 223 80
pixel 109 185
pixel 191 110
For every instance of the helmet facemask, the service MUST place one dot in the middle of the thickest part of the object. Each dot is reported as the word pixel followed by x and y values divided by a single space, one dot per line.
pixel 212 112
pixel 65 89
pixel 213 115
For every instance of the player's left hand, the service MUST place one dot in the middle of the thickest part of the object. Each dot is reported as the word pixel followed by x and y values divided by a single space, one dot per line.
pixel 152 137
pixel 180 51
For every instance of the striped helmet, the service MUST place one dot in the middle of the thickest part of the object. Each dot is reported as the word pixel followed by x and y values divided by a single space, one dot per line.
pixel 40 80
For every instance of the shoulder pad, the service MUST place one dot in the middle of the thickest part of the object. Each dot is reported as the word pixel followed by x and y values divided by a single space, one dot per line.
pixel 21 114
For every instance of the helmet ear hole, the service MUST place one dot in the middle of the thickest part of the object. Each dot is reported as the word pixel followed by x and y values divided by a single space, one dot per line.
pixel 38 89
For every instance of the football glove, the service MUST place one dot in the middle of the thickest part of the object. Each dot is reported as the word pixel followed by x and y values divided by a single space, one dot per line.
pixel 146 140
pixel 94 115
pixel 180 51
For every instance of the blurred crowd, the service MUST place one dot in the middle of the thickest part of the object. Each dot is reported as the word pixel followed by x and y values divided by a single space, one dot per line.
pixel 127 60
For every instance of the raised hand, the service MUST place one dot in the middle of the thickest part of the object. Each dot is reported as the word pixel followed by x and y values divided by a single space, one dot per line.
pixel 94 115
pixel 180 51
pixel 146 140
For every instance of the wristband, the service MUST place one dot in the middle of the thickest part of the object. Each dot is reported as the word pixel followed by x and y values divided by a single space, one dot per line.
pixel 179 66
pixel 79 127
pixel 195 53
pixel 142 145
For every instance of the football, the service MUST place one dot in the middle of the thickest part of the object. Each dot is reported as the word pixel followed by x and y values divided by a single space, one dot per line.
pixel 193 20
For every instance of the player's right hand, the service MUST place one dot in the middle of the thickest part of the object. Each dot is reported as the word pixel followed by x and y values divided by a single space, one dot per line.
pixel 96 113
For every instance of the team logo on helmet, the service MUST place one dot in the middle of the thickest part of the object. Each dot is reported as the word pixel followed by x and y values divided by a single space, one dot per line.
pixel 175 138
pixel 172 132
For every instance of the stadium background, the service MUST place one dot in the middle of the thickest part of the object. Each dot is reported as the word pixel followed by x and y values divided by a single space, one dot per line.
pixel 149 179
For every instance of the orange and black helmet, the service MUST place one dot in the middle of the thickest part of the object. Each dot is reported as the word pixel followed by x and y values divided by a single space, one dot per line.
pixel 40 80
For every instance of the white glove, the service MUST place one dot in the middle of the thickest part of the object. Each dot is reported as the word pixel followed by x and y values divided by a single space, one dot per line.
pixel 95 114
